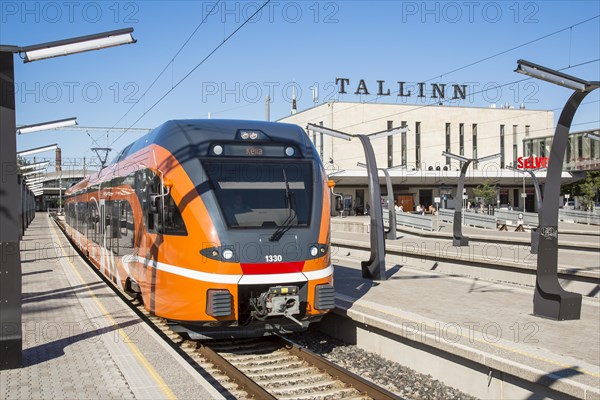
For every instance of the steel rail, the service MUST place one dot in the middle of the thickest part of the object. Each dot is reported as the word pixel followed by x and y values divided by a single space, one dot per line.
pixel 357 382
pixel 247 384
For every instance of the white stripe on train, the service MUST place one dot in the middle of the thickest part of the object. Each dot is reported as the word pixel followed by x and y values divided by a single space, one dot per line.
pixel 233 279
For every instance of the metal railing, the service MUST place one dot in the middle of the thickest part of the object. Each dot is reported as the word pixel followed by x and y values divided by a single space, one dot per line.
pixel 410 220
pixel 446 215
pixel 471 218
pixel 480 220
pixel 529 218
pixel 579 217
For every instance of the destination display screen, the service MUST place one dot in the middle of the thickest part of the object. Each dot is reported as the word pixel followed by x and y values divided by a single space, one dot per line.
pixel 245 150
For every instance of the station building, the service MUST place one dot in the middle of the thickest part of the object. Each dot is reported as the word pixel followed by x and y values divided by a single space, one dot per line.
pixel 419 172
pixel 55 184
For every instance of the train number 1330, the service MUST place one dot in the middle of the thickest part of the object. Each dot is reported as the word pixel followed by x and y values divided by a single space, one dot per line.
pixel 273 258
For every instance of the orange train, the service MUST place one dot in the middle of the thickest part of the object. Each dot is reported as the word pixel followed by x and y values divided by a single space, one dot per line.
pixel 220 226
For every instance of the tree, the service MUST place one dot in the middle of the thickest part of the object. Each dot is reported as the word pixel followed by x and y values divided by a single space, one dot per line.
pixel 22 162
pixel 586 189
pixel 487 192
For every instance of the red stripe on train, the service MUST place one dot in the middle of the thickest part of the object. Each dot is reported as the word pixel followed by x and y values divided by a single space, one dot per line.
pixel 272 268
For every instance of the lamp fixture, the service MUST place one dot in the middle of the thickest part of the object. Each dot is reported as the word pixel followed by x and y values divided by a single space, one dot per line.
pixel 549 75
pixel 47 125
pixel 37 150
pixel 78 44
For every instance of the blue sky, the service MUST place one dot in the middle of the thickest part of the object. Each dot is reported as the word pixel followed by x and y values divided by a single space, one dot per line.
pixel 296 43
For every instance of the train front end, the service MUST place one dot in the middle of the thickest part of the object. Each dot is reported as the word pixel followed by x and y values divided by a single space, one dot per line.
pixel 267 195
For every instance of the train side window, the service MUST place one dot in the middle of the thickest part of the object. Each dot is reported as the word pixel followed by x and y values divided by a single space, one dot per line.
pixel 130 226
pixel 115 225
pixel 155 204
pixel 173 223
pixel 106 223
pixel 123 217
pixel 93 223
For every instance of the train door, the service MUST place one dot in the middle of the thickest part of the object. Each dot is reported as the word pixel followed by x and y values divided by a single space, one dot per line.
pixel 102 236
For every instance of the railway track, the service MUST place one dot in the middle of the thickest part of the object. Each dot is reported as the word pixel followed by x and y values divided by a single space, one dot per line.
pixel 260 368
pixel 277 368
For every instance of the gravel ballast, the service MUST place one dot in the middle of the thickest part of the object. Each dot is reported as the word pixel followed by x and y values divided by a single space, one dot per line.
pixel 396 378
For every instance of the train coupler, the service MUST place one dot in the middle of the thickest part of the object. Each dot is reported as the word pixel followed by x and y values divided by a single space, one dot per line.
pixel 277 301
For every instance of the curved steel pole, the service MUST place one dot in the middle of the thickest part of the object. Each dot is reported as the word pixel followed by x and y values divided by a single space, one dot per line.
pixel 550 299
pixel 391 234
pixel 458 239
pixel 374 268
pixel 535 234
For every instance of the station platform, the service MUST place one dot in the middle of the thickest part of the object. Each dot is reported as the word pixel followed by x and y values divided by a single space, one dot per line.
pixel 506 253
pixel 486 325
pixel 80 340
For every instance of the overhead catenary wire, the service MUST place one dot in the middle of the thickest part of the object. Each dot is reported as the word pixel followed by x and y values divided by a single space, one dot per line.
pixel 438 102
pixel 170 63
pixel 515 48
pixel 498 54
pixel 194 69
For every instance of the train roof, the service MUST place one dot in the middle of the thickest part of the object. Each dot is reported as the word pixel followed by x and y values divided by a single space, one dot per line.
pixel 175 135
pixel 187 138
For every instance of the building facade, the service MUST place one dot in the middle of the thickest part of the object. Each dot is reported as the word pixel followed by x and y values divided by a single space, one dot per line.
pixel 420 173
pixel 54 185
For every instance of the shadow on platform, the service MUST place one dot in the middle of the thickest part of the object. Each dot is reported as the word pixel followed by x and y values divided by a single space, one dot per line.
pixel 49 351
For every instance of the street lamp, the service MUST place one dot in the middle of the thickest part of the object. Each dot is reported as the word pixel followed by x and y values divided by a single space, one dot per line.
pixel 391 234
pixel 374 268
pixel 37 150
pixel 11 197
pixel 592 135
pixel 37 171
pixel 549 75
pixel 78 45
pixel 536 183
pixel 34 165
pixel 458 239
pixel 535 235
pixel 61 123
pixel 550 299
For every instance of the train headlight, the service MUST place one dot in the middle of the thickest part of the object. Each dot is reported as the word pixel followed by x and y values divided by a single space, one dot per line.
pixel 218 150
pixel 289 151
pixel 313 251
pixel 227 254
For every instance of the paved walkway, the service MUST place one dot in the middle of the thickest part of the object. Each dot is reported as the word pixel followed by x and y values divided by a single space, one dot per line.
pixel 573 262
pixel 490 323
pixel 569 233
pixel 81 341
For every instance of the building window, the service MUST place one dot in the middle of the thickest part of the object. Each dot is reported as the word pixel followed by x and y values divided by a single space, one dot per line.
pixel 403 144
pixel 475 145
pixel 321 142
pixel 448 142
pixel 580 146
pixel 527 148
pixel 418 145
pixel 542 148
pixel 515 149
pixel 526 131
pixel 390 145
pixel 501 146
pixel 461 139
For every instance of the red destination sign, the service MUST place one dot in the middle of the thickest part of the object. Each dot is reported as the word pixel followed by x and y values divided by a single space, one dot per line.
pixel 532 162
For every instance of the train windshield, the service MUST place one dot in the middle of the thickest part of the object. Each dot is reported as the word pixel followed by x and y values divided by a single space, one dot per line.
pixel 265 194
